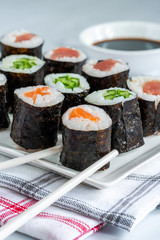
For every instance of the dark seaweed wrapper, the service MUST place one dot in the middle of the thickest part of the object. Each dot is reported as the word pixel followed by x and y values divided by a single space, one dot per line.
pixel 83 148
pixel 150 117
pixel 53 66
pixel 18 80
pixel 4 119
pixel 127 133
pixel 35 127
pixel 9 50
pixel 115 80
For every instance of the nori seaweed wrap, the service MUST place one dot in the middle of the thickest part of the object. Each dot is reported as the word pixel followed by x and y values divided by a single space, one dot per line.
pixel 21 71
pixel 64 60
pixel 104 74
pixel 86 136
pixel 8 50
pixel 36 117
pixel 73 86
pixel 148 91
pixel 4 118
pixel 123 108
pixel 21 42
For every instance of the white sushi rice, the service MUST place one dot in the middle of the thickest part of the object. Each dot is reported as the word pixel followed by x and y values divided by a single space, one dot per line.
pixel 89 69
pixel 3 79
pixel 7 63
pixel 85 124
pixel 50 78
pixel 97 97
pixel 9 39
pixel 81 57
pixel 136 85
pixel 47 100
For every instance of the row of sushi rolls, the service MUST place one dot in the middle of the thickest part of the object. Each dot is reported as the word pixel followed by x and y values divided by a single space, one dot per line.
pixel 93 103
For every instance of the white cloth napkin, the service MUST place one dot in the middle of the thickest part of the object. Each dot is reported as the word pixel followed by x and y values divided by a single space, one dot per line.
pixel 123 205
pixel 53 223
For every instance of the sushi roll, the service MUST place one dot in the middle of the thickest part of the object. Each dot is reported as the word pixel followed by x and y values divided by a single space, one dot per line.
pixel 21 42
pixel 104 74
pixel 73 86
pixel 86 136
pixel 4 119
pixel 148 91
pixel 64 60
pixel 21 71
pixel 123 108
pixel 36 117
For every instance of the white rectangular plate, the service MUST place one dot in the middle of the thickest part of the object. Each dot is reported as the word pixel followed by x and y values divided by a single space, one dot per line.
pixel 120 167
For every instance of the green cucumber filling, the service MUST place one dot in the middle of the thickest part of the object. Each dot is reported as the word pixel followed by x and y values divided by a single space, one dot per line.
pixel 68 81
pixel 23 63
pixel 111 94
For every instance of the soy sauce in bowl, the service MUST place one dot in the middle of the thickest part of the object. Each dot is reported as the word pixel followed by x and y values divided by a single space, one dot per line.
pixel 128 44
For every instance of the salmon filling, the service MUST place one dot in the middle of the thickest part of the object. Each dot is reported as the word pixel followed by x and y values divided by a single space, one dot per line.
pixel 79 112
pixel 39 91
pixel 24 37
pixel 64 52
pixel 106 65
pixel 152 87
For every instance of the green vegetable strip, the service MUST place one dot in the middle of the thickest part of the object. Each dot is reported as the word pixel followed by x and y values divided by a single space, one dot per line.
pixel 111 94
pixel 68 82
pixel 23 63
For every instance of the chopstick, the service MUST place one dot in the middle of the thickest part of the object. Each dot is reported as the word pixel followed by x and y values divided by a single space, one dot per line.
pixel 48 165
pixel 29 157
pixel 32 211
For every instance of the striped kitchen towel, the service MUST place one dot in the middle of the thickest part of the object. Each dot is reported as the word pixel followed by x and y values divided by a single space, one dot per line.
pixel 53 223
pixel 84 209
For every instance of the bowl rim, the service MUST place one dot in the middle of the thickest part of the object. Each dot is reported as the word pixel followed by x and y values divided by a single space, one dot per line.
pixel 121 52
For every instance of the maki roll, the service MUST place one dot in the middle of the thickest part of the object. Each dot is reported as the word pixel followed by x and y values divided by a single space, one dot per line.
pixel 73 86
pixel 86 136
pixel 21 71
pixel 21 42
pixel 64 60
pixel 148 91
pixel 104 74
pixel 4 119
pixel 123 108
pixel 36 117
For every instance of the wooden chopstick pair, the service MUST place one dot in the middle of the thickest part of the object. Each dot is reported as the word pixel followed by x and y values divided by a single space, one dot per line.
pixel 31 212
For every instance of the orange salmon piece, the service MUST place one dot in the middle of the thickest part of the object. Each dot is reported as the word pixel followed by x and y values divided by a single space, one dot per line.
pixel 24 37
pixel 79 112
pixel 64 52
pixel 106 65
pixel 33 94
pixel 152 87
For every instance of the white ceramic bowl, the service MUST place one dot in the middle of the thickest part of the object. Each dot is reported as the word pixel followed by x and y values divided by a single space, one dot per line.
pixel 140 62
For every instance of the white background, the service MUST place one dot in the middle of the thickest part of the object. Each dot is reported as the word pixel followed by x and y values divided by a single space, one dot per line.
pixel 60 22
